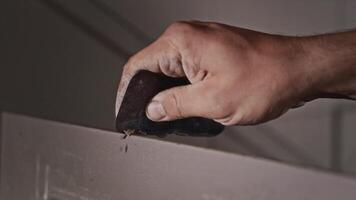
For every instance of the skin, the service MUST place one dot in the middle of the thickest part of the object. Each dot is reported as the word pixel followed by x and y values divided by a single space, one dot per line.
pixel 243 77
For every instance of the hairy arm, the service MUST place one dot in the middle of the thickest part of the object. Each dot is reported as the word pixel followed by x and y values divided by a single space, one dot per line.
pixel 332 60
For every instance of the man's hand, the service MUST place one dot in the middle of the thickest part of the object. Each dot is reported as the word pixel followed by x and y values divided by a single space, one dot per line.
pixel 237 76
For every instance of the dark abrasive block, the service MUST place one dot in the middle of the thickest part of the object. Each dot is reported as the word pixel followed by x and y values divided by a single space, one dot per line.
pixel 132 113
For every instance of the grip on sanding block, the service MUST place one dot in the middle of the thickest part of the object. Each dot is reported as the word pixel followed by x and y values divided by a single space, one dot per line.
pixel 132 113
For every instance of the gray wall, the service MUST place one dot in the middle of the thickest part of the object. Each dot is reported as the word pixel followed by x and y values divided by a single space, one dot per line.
pixel 53 67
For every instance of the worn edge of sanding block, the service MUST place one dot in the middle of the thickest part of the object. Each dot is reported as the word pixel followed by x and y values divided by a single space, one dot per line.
pixel 131 113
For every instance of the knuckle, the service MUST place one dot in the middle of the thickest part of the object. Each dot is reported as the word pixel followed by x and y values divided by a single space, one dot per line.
pixel 175 66
pixel 164 65
pixel 180 26
pixel 174 105
pixel 215 25
pixel 180 31
pixel 171 66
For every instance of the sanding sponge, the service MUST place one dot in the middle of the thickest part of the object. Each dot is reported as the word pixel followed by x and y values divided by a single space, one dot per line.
pixel 142 88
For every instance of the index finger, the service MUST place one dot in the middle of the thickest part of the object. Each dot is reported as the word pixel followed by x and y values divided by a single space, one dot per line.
pixel 158 57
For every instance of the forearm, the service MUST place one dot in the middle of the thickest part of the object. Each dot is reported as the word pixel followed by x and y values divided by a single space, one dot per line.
pixel 330 64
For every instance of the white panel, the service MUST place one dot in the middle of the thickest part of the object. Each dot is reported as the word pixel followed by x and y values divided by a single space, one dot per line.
pixel 44 160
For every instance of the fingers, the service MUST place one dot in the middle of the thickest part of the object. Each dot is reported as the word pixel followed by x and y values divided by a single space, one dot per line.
pixel 165 56
pixel 179 102
pixel 159 57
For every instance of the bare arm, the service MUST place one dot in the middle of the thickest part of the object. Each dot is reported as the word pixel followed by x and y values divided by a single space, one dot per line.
pixel 332 60
pixel 240 76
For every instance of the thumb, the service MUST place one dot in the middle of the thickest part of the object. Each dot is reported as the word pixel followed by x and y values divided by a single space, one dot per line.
pixel 178 102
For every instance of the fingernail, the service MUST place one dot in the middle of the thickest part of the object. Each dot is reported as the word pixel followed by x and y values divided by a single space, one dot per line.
pixel 155 111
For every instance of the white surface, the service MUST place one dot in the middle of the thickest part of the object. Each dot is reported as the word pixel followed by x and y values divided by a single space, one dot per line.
pixel 44 160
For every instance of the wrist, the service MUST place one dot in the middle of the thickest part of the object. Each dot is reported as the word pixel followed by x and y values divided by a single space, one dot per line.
pixel 299 66
pixel 329 65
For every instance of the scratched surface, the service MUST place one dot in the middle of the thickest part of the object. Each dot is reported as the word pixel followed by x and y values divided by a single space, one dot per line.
pixel 44 160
